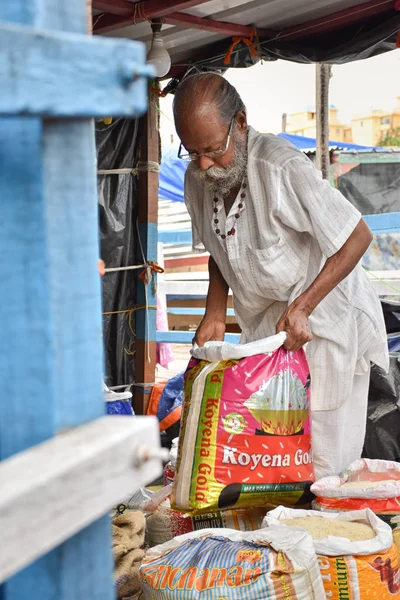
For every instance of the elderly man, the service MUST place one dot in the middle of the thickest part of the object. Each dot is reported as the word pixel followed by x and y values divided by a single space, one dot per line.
pixel 288 246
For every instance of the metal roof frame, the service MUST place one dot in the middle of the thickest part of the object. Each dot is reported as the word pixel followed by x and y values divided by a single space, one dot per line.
pixel 200 31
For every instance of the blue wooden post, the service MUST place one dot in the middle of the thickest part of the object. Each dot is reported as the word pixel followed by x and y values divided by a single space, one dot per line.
pixel 50 309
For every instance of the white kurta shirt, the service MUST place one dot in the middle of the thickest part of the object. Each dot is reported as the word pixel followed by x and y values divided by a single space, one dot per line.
pixel 290 223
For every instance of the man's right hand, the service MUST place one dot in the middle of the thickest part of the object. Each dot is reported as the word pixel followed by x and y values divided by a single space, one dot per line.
pixel 210 329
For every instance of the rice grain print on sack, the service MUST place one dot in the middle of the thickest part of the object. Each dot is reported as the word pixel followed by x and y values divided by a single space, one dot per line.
pixel 245 435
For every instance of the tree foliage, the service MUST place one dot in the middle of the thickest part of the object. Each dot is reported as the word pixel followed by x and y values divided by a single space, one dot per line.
pixel 390 138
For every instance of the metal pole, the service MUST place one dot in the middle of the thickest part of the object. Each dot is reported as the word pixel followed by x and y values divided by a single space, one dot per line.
pixel 284 122
pixel 323 74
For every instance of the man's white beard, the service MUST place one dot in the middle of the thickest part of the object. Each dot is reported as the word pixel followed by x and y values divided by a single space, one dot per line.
pixel 220 181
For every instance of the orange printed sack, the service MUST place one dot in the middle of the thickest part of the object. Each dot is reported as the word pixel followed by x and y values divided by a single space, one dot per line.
pixel 351 570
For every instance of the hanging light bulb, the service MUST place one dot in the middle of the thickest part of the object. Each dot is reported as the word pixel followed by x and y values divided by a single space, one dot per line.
pixel 158 55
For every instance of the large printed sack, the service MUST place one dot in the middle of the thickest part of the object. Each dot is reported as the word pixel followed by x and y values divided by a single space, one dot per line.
pixel 367 483
pixel 245 430
pixel 221 564
pixel 351 570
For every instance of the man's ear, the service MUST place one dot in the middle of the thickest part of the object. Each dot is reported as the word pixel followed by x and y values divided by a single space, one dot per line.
pixel 241 120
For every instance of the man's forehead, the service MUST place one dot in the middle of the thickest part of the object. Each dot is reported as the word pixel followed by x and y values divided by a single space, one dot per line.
pixel 205 137
pixel 206 124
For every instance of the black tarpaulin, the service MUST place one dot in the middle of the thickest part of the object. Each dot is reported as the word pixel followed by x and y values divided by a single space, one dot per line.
pixel 382 439
pixel 373 188
pixel 356 41
pixel 117 194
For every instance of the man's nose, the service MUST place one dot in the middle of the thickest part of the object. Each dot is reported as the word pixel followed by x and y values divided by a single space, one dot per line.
pixel 205 163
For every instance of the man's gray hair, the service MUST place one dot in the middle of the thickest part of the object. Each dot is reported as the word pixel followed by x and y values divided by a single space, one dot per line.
pixel 211 87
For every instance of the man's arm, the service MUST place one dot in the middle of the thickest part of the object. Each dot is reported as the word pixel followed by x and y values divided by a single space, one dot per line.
pixel 212 326
pixel 295 319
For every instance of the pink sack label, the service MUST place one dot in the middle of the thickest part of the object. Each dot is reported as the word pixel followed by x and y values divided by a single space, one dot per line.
pixel 245 437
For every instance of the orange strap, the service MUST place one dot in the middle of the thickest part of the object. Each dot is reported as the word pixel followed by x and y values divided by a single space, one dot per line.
pixel 154 267
pixel 155 396
pixel 237 40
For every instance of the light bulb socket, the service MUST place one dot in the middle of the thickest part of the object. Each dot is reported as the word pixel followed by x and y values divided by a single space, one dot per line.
pixel 156 25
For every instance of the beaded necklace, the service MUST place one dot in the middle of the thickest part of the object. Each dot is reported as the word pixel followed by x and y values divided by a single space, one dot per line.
pixel 232 231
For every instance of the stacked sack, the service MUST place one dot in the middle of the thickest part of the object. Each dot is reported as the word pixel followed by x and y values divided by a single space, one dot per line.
pixel 245 430
pixel 245 440
pixel 244 446
pixel 373 484
pixel 218 564
pixel 164 523
pixel 356 554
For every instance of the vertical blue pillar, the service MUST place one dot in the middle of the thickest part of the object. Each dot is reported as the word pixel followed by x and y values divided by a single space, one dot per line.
pixel 50 309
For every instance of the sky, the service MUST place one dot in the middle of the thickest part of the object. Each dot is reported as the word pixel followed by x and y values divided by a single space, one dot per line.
pixel 273 88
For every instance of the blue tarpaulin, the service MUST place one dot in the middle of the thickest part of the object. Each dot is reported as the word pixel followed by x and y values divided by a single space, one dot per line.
pixel 307 143
pixel 172 174
pixel 172 171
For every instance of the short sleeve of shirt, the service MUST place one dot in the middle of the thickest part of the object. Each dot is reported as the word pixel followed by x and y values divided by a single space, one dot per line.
pixel 307 202
pixel 190 199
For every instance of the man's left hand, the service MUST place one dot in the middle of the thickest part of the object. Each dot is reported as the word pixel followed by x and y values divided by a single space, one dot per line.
pixel 295 322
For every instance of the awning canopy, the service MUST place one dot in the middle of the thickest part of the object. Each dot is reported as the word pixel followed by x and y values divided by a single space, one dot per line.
pixel 200 32
pixel 308 144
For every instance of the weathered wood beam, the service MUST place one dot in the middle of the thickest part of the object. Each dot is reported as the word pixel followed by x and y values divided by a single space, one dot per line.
pixel 136 12
pixel 52 491
pixel 145 355
pixel 50 311
pixel 214 26
pixel 69 75
pixel 114 7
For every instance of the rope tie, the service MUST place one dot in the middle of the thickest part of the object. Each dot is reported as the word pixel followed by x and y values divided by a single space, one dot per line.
pixel 248 41
pixel 129 312
pixel 148 276
pixel 142 167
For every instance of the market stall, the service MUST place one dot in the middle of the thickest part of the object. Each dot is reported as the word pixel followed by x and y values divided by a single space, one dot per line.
pixel 209 35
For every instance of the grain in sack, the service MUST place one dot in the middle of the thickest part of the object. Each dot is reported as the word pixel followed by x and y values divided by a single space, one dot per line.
pixel 367 483
pixel 356 557
pixel 245 431
pixel 221 564
pixel 166 523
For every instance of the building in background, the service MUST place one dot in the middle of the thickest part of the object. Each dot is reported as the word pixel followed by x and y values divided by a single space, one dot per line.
pixel 372 129
pixel 304 123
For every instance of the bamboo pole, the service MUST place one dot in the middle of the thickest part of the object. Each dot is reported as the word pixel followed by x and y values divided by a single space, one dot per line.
pixel 323 74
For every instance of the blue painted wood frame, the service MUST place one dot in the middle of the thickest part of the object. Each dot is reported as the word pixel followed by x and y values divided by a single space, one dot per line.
pixel 186 337
pixel 50 310
pixel 382 223
pixel 183 236
pixel 194 311
pixel 385 223
pixel 66 74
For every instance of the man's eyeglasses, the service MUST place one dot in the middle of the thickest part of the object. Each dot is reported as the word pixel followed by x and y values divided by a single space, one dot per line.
pixel 213 154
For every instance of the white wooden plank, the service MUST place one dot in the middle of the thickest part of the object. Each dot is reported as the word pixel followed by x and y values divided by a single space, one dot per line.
pixel 52 491
pixel 196 284
pixel 188 276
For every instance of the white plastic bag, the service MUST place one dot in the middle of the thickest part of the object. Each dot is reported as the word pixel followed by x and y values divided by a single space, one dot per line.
pixel 366 470
pixel 336 546
pixel 216 351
